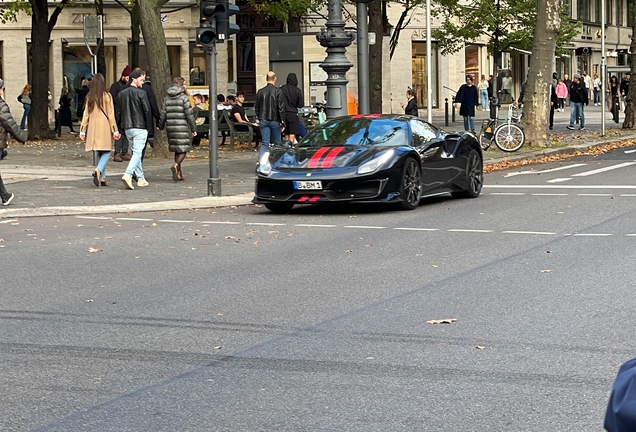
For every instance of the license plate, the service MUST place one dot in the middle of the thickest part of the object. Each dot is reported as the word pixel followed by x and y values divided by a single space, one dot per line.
pixel 301 185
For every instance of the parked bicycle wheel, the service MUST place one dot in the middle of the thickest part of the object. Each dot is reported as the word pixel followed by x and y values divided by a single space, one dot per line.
pixel 509 137
pixel 485 134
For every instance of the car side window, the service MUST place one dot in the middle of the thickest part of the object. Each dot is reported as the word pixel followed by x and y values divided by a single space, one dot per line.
pixel 422 132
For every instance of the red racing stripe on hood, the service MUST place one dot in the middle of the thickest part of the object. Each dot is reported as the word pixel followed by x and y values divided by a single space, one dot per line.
pixel 328 160
pixel 315 159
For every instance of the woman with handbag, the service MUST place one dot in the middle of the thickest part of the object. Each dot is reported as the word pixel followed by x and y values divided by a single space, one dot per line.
pixel 99 127
pixel 25 100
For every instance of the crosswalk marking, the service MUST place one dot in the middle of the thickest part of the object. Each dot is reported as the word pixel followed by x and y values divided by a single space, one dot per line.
pixel 561 168
pixel 559 180
pixel 605 169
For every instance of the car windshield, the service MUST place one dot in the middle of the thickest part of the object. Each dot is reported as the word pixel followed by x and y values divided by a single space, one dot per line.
pixel 358 131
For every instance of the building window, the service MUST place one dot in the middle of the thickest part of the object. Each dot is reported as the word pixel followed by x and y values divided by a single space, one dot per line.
pixel 174 58
pixel 629 14
pixel 198 65
pixel 583 10
pixel 619 13
pixel 230 61
pixel 76 65
pixel 419 74
pixel 1 61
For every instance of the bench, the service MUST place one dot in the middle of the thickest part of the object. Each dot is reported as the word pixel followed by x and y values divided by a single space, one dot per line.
pixel 239 132
pixel 204 129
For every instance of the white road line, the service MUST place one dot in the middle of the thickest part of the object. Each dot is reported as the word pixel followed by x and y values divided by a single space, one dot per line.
pixel 630 151
pixel 315 226
pixel 600 170
pixel 416 229
pixel 220 222
pixel 176 221
pixel 469 230
pixel 529 232
pixel 133 219
pixel 592 235
pixel 8 221
pixel 630 235
pixel 540 186
pixel 559 180
pixel 265 224
pixel 628 195
pixel 508 193
pixel 93 217
pixel 364 227
pixel 549 194
pixel 545 171
pixel 595 195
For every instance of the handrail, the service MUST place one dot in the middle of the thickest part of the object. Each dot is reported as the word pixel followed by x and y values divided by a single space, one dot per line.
pixel 448 88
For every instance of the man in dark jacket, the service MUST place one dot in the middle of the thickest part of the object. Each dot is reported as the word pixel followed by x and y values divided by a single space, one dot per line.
pixel 293 100
pixel 121 145
pixel 578 98
pixel 411 104
pixel 8 126
pixel 132 113
pixel 154 118
pixel 270 111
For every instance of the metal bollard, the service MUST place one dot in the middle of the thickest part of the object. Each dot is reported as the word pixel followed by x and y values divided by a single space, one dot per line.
pixel 445 111
pixel 453 117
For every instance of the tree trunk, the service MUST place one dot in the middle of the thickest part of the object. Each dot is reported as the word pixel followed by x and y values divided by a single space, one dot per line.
pixel 536 110
pixel 157 53
pixel 293 23
pixel 39 115
pixel 630 100
pixel 101 52
pixel 376 25
pixel 135 32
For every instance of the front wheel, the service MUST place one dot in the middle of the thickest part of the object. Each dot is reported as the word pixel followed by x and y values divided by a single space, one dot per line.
pixel 509 137
pixel 483 141
pixel 474 176
pixel 411 190
pixel 279 207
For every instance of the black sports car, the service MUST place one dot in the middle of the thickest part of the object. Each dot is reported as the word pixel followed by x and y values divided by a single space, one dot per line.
pixel 370 159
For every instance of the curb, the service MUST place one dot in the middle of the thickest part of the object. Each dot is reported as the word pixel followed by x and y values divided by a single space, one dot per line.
pixel 246 198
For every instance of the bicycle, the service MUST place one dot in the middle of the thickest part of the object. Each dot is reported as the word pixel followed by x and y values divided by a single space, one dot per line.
pixel 507 134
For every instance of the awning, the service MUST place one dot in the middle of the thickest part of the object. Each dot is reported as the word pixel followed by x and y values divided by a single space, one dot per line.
pixel 109 41
pixel 169 41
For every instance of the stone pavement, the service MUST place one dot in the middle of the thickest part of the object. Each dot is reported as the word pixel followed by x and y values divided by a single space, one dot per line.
pixel 54 177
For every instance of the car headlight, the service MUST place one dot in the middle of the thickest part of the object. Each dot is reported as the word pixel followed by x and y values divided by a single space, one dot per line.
pixel 264 167
pixel 376 163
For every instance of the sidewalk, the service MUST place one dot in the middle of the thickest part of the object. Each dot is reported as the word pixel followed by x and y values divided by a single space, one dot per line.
pixel 54 177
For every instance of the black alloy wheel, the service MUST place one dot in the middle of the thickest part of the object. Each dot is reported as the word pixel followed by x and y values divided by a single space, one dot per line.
pixel 474 176
pixel 410 190
pixel 279 207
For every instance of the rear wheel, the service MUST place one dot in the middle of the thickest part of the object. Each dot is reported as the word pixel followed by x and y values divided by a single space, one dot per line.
pixel 474 176
pixel 279 207
pixel 485 139
pixel 509 137
pixel 410 190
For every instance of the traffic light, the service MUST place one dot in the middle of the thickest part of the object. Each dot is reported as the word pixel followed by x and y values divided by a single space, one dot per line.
pixel 223 26
pixel 208 13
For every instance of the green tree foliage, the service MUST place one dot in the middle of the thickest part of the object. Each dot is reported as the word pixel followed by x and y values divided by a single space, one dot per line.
pixel 290 11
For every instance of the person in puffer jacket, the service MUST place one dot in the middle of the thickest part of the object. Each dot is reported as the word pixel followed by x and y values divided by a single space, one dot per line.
pixel 177 117
pixel 8 126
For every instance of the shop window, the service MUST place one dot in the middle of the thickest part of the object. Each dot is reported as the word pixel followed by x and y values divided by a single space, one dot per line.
pixel 1 61
pixel 583 10
pixel 471 59
pixel 419 74
pixel 76 66
pixel 174 58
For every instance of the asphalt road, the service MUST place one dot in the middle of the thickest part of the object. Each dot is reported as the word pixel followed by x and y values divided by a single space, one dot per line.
pixel 239 320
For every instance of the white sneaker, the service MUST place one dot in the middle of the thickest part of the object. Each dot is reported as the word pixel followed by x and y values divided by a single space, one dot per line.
pixel 142 182
pixel 8 201
pixel 127 181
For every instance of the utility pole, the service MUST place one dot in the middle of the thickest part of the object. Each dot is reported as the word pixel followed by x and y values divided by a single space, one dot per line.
pixel 364 103
pixel 603 80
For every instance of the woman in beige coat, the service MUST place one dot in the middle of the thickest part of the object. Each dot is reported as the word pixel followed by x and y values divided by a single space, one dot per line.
pixel 98 126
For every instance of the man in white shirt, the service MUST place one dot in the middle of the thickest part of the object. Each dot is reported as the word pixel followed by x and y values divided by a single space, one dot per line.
pixel 589 84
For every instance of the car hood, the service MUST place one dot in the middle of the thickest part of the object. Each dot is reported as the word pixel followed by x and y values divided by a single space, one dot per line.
pixel 309 158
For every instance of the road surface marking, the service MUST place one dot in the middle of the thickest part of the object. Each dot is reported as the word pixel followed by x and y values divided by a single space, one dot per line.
pixel 595 195
pixel 630 151
pixel 363 227
pixel 600 170
pixel 630 235
pixel 265 224
pixel 416 229
pixel 134 219
pixel 545 171
pixel 175 221
pixel 93 217
pixel 592 235
pixel 8 221
pixel 529 232
pixel 469 230
pixel 559 180
pixel 315 226
pixel 220 222
pixel 628 195
pixel 508 193
pixel 549 194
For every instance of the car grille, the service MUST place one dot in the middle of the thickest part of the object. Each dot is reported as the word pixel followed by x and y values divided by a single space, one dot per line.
pixel 333 191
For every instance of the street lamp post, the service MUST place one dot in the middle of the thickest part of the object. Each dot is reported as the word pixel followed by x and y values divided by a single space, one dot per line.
pixel 336 64
pixel 603 80
pixel 364 96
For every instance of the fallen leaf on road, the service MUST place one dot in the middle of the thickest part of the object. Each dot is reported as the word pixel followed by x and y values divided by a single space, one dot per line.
pixel 546 271
pixel 89 301
pixel 434 266
pixel 548 252
pixel 154 224
pixel 93 250
pixel 218 347
pixel 442 321
pixel 349 250
pixel 479 347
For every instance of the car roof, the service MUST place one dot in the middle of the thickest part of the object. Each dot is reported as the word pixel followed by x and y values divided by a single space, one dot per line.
pixel 379 116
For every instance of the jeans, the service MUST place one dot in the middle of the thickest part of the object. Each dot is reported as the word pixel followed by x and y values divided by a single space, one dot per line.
pixel 576 110
pixel 121 145
pixel 4 193
pixel 270 132
pixel 469 121
pixel 25 116
pixel 137 139
pixel 597 96
pixel 102 160
pixel 484 98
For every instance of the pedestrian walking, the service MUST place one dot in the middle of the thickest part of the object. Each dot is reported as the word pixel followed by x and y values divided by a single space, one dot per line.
pixel 507 84
pixel 8 126
pixel 98 126
pixel 293 100
pixel 598 86
pixel 614 97
pixel 589 83
pixel 562 93
pixel 625 85
pixel 121 145
pixel 468 98
pixel 25 99
pixel 554 102
pixel 578 99
pixel 411 104
pixel 568 82
pixel 177 117
pixel 154 116
pixel 483 92
pixel 66 119
pixel 132 113
pixel 270 111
